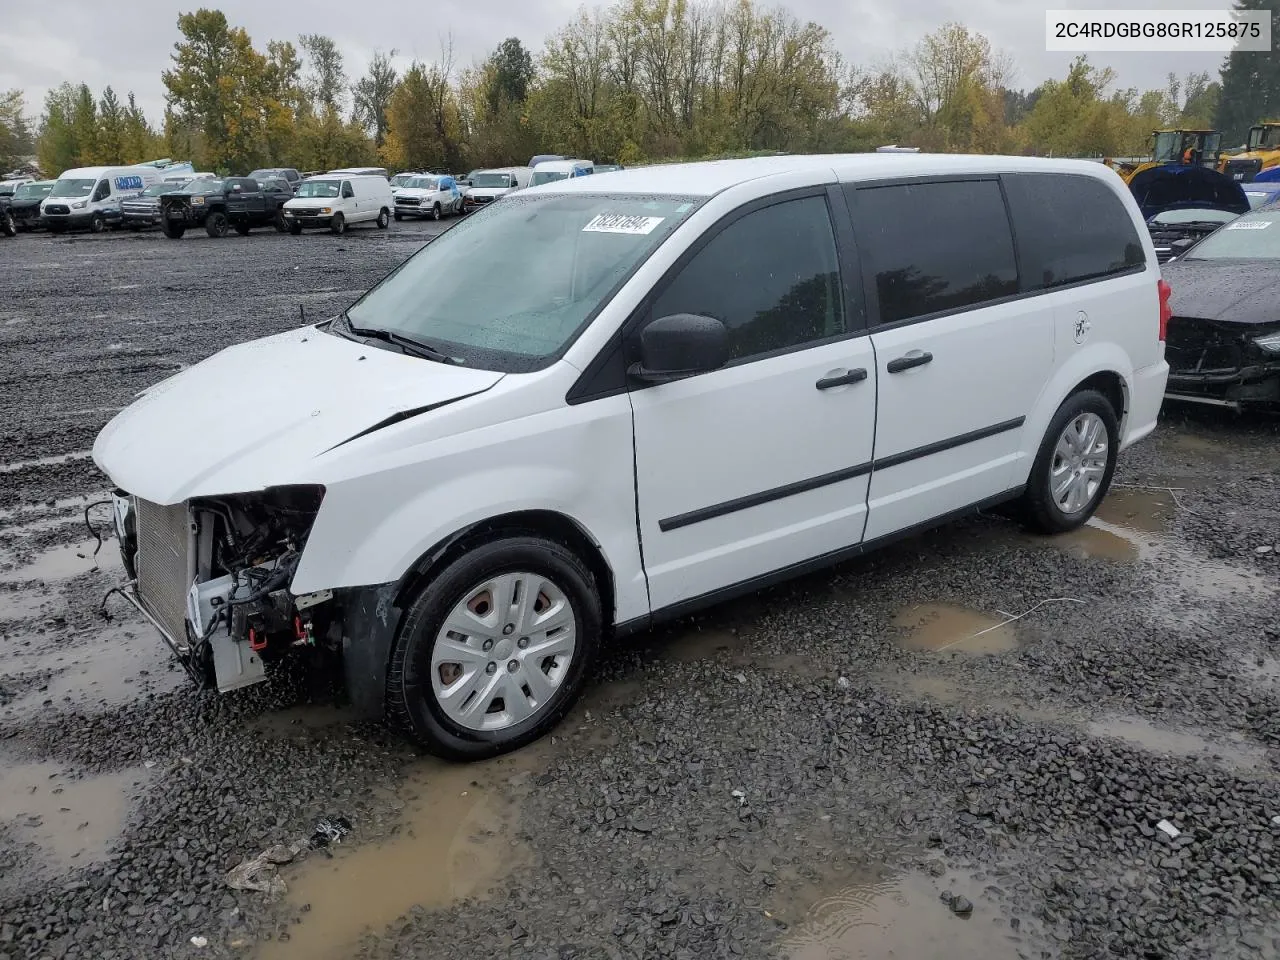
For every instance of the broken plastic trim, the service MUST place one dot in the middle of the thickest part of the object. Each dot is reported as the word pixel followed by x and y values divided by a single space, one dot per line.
pixel 403 415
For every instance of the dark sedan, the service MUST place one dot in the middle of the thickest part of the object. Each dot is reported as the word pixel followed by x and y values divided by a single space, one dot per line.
pixel 1223 343
pixel 25 206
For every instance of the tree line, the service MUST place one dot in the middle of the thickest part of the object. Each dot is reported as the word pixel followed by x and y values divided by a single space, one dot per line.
pixel 638 81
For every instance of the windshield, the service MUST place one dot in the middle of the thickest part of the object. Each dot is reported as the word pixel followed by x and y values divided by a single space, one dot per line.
pixel 1264 138
pixel 1254 236
pixel 32 190
pixel 72 188
pixel 401 179
pixel 562 257
pixel 200 186
pixel 423 183
pixel 491 179
pixel 1259 198
pixel 547 176
pixel 1193 215
pixel 158 188
pixel 319 188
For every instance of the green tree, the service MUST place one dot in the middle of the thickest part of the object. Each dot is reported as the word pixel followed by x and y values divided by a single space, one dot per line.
pixel 424 121
pixel 371 94
pixel 84 124
pixel 326 82
pixel 218 85
pixel 511 76
pixel 1250 82
pixel 15 135
pixel 110 147
pixel 140 142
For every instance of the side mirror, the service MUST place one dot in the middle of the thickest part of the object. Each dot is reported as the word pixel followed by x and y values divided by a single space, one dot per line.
pixel 680 345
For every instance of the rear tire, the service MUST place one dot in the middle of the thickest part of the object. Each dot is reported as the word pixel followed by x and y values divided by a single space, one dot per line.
pixel 216 224
pixel 338 224
pixel 413 704
pixel 242 229
pixel 384 221
pixel 1074 466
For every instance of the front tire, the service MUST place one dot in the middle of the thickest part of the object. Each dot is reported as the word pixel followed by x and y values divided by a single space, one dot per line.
pixel 216 224
pixel 384 221
pixel 7 226
pixel 295 229
pixel 97 224
pixel 338 224
pixel 399 216
pixel 436 213
pixel 242 229
pixel 1075 464
pixel 173 231
pixel 494 650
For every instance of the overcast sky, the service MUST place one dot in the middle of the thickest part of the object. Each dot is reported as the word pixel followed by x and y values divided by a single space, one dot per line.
pixel 127 44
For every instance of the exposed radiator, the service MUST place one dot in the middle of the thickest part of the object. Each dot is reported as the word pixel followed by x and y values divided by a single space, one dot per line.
pixel 164 568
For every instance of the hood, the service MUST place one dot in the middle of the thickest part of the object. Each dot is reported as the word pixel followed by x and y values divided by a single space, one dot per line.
pixel 295 201
pixel 1269 175
pixel 418 192
pixel 26 203
pixel 1174 185
pixel 260 413
pixel 1230 291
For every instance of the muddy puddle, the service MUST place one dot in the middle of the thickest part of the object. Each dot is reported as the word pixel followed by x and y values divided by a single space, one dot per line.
pixel 1234 753
pixel 943 628
pixel 902 917
pixel 303 720
pixel 455 840
pixel 65 561
pixel 45 461
pixel 22 604
pixel 71 821
pixel 116 666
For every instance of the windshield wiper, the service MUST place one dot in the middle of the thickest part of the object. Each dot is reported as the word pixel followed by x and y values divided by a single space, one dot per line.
pixel 406 343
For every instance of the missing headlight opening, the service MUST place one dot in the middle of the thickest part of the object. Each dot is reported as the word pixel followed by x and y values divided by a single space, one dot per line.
pixel 213 574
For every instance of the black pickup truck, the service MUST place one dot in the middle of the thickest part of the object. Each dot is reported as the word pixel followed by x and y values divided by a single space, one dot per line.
pixel 239 203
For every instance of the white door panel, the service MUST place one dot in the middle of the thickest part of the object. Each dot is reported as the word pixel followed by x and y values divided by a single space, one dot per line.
pixel 950 430
pixel 752 468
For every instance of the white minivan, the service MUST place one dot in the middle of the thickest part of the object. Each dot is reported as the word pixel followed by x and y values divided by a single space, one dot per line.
pixel 486 186
pixel 712 377
pixel 91 196
pixel 549 171
pixel 338 202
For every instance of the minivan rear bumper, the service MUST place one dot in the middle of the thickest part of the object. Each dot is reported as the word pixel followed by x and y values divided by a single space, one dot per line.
pixel 1146 394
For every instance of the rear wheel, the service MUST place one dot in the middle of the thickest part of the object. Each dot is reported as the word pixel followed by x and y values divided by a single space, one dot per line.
pixel 338 224
pixel 1075 464
pixel 216 224
pixel 242 229
pixel 494 650
pixel 383 220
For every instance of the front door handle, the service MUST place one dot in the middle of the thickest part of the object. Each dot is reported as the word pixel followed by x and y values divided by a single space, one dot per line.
pixel 916 358
pixel 852 376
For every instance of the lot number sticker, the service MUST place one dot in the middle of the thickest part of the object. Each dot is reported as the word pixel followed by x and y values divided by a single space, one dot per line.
pixel 1250 225
pixel 621 223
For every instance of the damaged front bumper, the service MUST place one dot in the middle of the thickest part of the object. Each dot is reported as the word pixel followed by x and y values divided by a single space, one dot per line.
pixel 1223 364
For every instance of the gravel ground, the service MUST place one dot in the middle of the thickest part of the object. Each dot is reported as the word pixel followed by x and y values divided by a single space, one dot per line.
pixel 835 768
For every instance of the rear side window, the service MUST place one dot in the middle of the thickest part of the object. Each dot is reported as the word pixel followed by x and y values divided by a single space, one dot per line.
pixel 935 247
pixel 770 276
pixel 1070 228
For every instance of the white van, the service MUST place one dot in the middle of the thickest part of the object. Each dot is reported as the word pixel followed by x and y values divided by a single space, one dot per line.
pixel 488 185
pixel 337 202
pixel 713 377
pixel 91 196
pixel 550 171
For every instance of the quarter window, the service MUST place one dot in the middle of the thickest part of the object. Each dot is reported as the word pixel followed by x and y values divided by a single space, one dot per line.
pixel 1070 228
pixel 935 247
pixel 771 277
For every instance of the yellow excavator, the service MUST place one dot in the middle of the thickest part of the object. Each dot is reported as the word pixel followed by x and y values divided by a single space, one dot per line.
pixel 1262 153
pixel 1187 147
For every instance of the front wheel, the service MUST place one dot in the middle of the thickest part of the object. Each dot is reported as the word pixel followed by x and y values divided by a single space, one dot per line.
pixel 338 224
pixel 436 213
pixel 1075 464
pixel 173 231
pixel 281 224
pixel 399 216
pixel 216 224
pixel 295 229
pixel 7 226
pixel 242 229
pixel 97 224
pixel 494 650
pixel 384 221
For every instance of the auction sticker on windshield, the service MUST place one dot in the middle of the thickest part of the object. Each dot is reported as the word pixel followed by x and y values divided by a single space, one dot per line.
pixel 622 223
pixel 1250 225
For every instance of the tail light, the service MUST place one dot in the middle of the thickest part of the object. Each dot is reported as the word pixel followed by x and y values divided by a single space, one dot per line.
pixel 1166 311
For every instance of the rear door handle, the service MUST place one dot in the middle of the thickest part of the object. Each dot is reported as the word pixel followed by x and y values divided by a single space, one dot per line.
pixel 852 376
pixel 917 358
